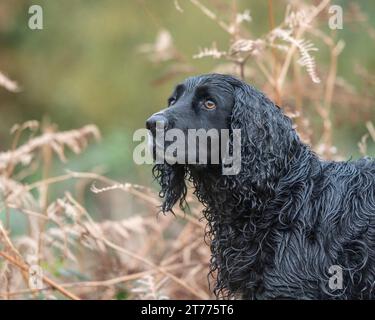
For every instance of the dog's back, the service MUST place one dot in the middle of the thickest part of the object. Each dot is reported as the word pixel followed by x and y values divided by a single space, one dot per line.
pixel 328 251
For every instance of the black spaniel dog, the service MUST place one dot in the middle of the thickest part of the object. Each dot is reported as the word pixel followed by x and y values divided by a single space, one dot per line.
pixel 288 225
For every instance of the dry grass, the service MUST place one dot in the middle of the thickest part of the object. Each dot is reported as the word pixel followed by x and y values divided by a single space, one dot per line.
pixel 145 256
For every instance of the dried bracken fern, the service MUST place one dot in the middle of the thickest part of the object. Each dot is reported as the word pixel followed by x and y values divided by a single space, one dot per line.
pixel 273 61
pixel 305 48
pixel 70 246
pixel 371 129
pixel 210 52
pixel 8 84
pixel 243 17
pixel 253 47
pixel 296 19
pixel 88 252
pixel 162 49
pixel 147 289
pixel 75 140
pixel 16 193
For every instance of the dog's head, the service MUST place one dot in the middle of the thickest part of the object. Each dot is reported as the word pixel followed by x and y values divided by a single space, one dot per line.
pixel 198 112
pixel 220 105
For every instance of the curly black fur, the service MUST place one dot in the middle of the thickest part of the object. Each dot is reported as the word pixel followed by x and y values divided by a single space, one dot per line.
pixel 277 226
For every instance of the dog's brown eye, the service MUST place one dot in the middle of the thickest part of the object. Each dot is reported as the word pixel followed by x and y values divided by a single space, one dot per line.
pixel 209 104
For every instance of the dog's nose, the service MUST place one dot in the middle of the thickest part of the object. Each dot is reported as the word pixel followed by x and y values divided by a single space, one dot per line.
pixel 157 121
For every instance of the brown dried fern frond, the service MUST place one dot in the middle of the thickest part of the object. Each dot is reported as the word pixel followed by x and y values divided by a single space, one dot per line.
pixel 75 140
pixel 147 288
pixel 253 47
pixel 74 229
pixel 305 47
pixel 8 84
pixel 210 52
pixel 296 18
pixel 371 129
pixel 16 193
pixel 162 49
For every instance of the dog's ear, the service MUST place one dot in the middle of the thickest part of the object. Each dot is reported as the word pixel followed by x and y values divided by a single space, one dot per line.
pixel 173 186
pixel 266 133
pixel 245 114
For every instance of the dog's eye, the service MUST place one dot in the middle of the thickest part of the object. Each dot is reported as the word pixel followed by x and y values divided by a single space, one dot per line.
pixel 209 104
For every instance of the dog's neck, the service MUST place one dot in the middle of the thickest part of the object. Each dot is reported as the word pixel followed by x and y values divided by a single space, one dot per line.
pixel 257 181
pixel 240 211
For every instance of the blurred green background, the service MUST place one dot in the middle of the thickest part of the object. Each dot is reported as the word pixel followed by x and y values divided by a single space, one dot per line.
pixel 85 67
